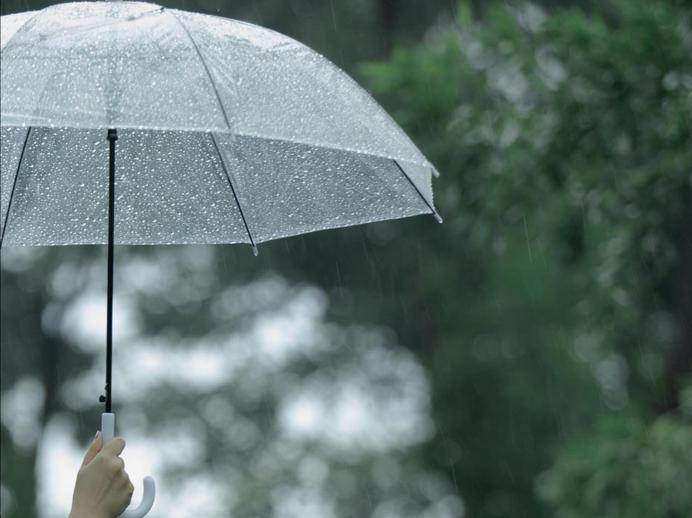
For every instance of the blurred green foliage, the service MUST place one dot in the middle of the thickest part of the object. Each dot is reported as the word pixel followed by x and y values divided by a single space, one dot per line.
pixel 565 142
pixel 626 468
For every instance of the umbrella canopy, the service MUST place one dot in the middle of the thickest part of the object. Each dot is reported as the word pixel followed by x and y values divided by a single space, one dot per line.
pixel 227 132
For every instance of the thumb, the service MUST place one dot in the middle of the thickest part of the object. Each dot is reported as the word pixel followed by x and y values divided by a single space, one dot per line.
pixel 93 450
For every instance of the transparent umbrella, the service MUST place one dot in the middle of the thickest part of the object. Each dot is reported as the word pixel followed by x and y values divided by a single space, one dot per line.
pixel 225 132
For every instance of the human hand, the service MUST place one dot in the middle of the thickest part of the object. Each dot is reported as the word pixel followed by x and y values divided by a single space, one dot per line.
pixel 103 489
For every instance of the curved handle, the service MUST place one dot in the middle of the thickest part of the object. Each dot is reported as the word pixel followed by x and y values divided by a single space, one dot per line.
pixel 147 500
pixel 107 433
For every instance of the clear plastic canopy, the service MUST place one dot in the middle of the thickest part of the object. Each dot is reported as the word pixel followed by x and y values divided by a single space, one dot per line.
pixel 228 132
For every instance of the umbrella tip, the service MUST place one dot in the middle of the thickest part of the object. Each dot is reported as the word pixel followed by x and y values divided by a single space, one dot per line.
pixel 437 217
pixel 255 252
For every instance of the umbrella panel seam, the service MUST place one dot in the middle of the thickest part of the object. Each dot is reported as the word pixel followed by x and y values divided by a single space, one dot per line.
pixel 233 190
pixel 21 29
pixel 429 204
pixel 204 64
pixel 14 185
pixel 84 28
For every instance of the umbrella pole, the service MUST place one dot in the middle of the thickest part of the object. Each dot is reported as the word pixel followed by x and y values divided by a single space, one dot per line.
pixel 108 418
pixel 112 137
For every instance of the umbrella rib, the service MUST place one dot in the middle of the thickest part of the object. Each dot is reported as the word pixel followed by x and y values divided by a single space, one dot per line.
pixel 325 145
pixel 14 184
pixel 84 28
pixel 206 67
pixel 432 209
pixel 235 196
pixel 22 28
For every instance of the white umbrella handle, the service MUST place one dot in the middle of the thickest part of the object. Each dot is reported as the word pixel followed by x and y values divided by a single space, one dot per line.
pixel 107 434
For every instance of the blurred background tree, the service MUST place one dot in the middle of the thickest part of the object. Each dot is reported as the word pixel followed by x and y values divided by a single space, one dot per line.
pixel 567 149
pixel 552 312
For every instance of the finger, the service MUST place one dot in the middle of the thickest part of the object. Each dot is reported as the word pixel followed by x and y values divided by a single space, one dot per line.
pixel 130 491
pixel 125 489
pixel 114 447
pixel 123 480
pixel 93 449
pixel 115 465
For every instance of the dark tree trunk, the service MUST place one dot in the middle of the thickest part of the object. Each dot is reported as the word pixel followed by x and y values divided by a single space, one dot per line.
pixel 28 350
pixel 679 364
pixel 388 20
pixel 19 476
